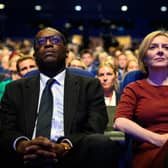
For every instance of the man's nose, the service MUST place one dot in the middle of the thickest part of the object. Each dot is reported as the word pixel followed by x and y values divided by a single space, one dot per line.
pixel 48 43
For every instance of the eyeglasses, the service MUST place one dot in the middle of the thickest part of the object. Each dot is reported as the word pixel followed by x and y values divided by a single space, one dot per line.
pixel 53 39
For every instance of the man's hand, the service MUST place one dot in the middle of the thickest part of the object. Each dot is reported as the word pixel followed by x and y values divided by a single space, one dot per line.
pixel 41 147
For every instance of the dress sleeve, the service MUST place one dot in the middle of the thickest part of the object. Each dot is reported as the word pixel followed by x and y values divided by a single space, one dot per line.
pixel 127 104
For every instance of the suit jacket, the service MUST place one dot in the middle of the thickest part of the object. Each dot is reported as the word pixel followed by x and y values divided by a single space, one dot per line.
pixel 84 108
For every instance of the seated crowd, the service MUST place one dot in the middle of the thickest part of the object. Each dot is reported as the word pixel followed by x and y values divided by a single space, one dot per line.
pixel 135 110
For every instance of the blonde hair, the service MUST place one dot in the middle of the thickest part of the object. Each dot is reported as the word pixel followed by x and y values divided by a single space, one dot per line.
pixel 114 68
pixel 108 64
pixel 129 61
pixel 145 45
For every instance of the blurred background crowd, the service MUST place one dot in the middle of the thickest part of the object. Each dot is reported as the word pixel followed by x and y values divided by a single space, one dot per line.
pixel 103 36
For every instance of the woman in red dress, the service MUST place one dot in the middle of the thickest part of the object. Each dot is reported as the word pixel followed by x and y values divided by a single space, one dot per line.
pixel 143 108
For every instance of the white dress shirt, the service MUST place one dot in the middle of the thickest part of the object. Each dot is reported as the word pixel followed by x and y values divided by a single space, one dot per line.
pixel 57 88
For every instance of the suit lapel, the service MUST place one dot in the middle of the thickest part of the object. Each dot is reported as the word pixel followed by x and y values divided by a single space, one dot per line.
pixel 71 94
pixel 32 88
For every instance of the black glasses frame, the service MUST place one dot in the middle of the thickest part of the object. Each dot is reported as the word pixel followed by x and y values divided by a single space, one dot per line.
pixel 53 39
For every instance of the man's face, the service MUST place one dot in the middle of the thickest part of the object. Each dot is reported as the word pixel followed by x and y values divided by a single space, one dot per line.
pixel 26 66
pixel 87 59
pixel 50 49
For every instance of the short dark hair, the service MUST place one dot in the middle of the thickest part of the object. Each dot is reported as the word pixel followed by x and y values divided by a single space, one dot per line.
pixel 22 59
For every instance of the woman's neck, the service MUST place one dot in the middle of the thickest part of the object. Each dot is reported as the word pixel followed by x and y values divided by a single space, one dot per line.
pixel 159 77
pixel 108 93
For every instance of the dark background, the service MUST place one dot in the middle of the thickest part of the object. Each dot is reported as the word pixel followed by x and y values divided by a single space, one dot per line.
pixel 19 19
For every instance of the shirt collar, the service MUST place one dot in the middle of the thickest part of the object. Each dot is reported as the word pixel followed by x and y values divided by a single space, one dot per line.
pixel 60 78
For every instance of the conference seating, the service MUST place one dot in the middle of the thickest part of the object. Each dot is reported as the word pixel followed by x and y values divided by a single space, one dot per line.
pixel 81 72
pixel 130 77
pixel 30 73
pixel 110 132
pixel 124 160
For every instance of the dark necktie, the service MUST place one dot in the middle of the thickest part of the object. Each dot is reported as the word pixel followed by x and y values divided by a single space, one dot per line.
pixel 45 111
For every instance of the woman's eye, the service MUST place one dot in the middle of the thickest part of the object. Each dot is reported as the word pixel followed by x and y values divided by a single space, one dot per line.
pixel 151 47
pixel 166 47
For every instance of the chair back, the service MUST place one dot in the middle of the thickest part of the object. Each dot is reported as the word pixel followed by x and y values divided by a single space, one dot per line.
pixel 81 72
pixel 130 77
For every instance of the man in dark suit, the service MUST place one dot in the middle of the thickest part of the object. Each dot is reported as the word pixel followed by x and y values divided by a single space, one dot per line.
pixel 79 115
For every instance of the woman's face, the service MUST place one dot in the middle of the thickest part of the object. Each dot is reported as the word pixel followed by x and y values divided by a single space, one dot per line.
pixel 157 53
pixel 107 77
pixel 132 66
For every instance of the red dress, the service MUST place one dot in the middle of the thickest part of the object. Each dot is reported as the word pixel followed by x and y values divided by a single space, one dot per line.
pixel 148 106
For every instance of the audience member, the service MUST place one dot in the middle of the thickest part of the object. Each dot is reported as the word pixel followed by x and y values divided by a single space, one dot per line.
pixel 70 56
pixel 79 114
pixel 19 66
pixel 5 66
pixel 13 74
pixel 102 57
pixel 89 60
pixel 132 65
pixel 142 110
pixel 121 62
pixel 26 64
pixel 77 63
pixel 107 74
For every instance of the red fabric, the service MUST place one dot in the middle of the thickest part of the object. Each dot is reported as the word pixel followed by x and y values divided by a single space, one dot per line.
pixel 148 106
